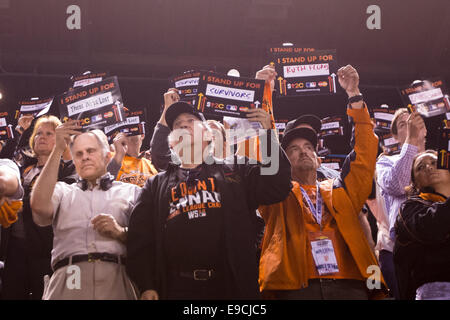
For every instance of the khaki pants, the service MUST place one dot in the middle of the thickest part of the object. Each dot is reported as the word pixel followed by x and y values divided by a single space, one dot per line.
pixel 97 280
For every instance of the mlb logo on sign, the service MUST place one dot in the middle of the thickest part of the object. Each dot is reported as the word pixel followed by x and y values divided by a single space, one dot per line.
pixel 310 84
pixel 231 107
pixel 96 118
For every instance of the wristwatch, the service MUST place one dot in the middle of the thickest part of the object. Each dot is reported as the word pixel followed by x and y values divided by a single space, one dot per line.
pixel 19 128
pixel 357 98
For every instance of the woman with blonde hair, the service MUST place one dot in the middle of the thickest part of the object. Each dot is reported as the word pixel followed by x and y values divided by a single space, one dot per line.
pixel 26 247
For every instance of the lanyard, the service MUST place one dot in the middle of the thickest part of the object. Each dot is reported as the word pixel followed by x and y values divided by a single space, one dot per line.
pixel 316 210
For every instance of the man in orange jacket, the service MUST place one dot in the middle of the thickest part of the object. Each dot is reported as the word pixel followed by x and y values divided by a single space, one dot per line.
pixel 314 246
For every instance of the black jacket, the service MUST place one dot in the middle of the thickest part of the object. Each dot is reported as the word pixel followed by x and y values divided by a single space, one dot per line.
pixel 422 245
pixel 242 190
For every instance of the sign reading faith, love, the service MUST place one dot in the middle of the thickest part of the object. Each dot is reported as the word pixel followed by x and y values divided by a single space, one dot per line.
pixel 305 73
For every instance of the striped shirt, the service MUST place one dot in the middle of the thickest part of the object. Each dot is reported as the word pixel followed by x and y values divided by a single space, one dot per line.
pixel 393 175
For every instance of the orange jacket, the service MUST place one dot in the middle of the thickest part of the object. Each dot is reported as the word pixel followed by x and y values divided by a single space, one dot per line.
pixel 283 264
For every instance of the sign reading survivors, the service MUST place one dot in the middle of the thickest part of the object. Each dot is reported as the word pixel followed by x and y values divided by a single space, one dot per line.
pixel 222 95
pixel 87 79
pixel 97 105
pixel 444 149
pixel 133 125
pixel 428 97
pixel 6 127
pixel 34 106
pixel 187 86
pixel 305 73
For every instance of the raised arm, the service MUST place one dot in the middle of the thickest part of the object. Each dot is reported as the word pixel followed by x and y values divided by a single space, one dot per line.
pixel 395 174
pixel 359 167
pixel 158 144
pixel 41 196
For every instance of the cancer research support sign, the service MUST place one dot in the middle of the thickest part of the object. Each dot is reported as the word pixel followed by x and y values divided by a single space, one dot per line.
pixel 133 125
pixel 84 80
pixel 6 127
pixel 305 73
pixel 187 86
pixel 97 105
pixel 383 116
pixel 221 95
pixel 34 106
pixel 428 97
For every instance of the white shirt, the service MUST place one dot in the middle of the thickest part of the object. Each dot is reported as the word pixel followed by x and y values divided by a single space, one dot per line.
pixel 12 167
pixel 73 211
pixel 393 175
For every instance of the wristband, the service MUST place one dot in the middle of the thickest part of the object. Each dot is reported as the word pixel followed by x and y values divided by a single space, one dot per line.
pixel 357 98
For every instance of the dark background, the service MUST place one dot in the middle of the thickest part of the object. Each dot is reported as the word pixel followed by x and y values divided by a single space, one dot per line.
pixel 144 42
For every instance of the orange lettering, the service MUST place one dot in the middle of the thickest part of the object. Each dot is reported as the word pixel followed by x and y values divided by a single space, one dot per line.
pixel 173 195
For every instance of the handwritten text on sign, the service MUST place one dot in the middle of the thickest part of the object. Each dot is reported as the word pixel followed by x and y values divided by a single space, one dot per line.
pixel 425 96
pixel 229 93
pixel 187 82
pixel 34 107
pixel 330 125
pixel 3 122
pixel 383 116
pixel 95 102
pixel 86 82
pixel 129 121
pixel 306 70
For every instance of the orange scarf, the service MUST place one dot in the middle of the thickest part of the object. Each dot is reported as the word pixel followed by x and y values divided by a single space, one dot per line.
pixel 433 197
pixel 8 212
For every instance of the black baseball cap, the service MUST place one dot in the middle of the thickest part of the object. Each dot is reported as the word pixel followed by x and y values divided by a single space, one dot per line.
pixel 304 132
pixel 178 108
pixel 310 119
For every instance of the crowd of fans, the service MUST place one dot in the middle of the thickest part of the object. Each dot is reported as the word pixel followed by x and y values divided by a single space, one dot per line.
pixel 192 218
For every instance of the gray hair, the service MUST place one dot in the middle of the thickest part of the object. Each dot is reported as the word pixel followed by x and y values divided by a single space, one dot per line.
pixel 101 139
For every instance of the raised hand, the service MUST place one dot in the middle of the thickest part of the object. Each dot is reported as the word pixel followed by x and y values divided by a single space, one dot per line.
pixel 349 80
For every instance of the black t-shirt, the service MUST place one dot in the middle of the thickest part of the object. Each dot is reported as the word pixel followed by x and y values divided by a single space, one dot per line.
pixel 194 227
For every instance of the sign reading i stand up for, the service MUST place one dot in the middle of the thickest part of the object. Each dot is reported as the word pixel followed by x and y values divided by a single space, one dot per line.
pixel 222 95
pixel 332 126
pixel 383 116
pixel 97 105
pixel 34 106
pixel 133 125
pixel 84 80
pixel 187 86
pixel 390 144
pixel 305 73
pixel 428 97
pixel 6 126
